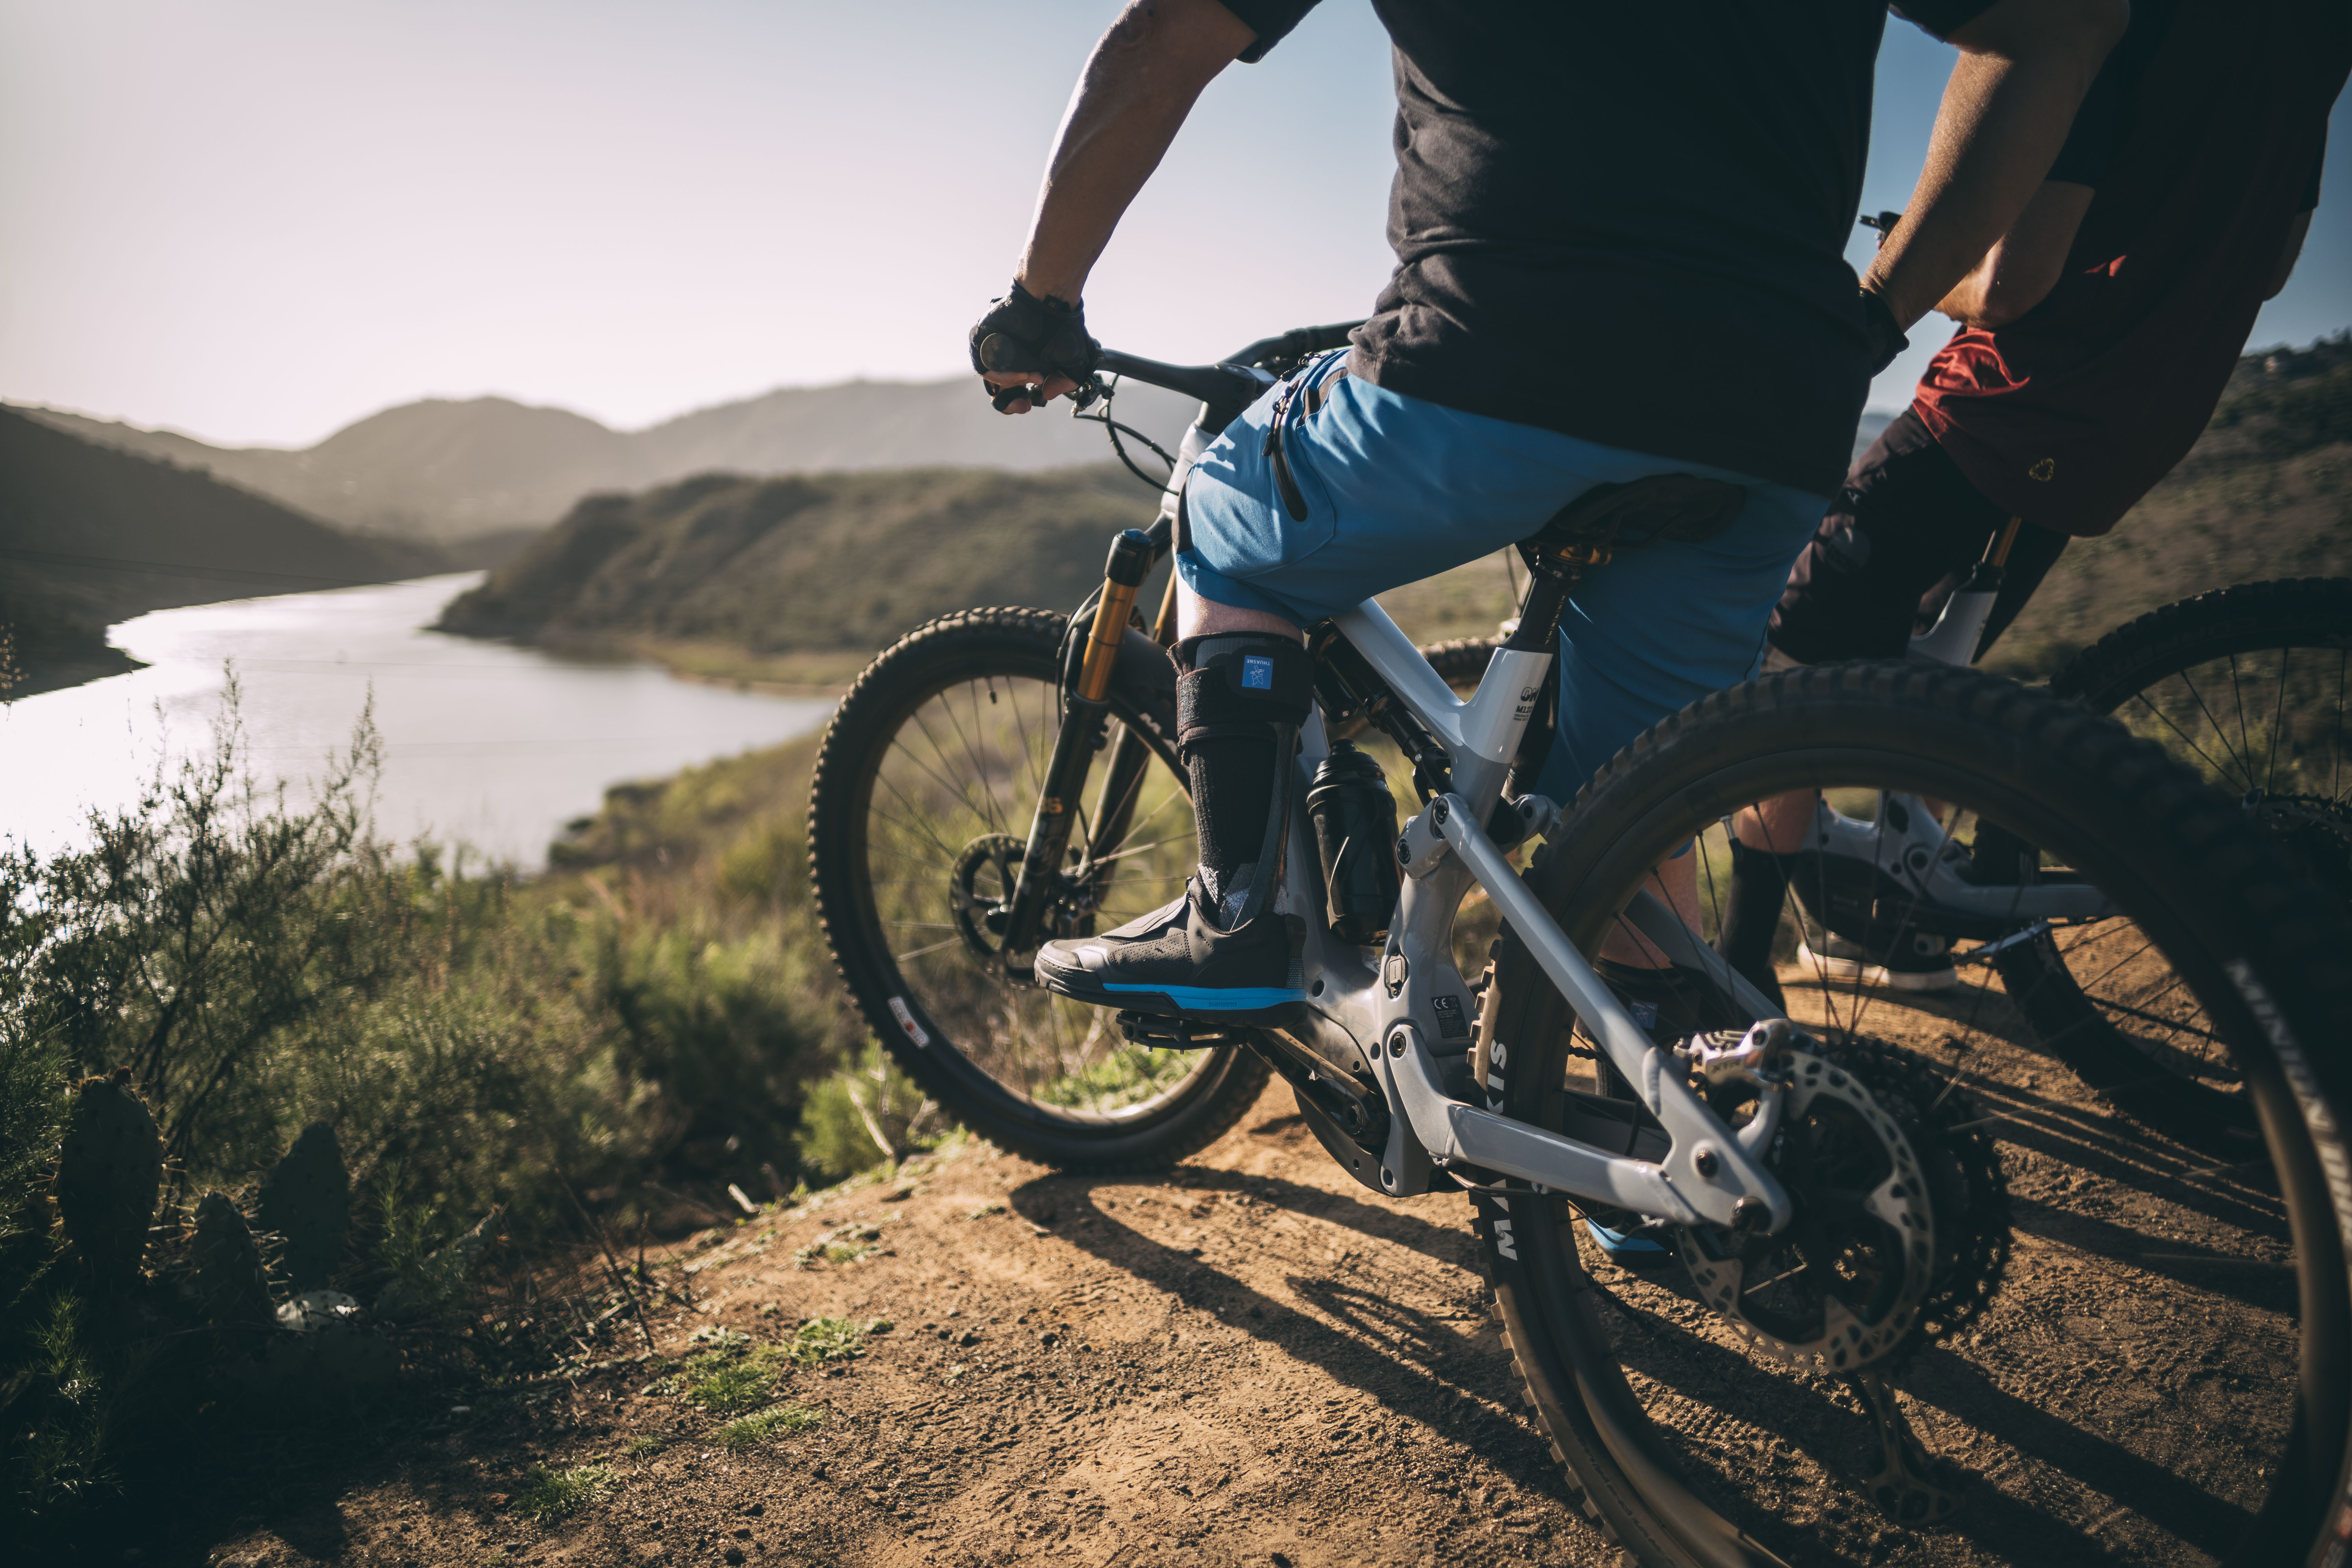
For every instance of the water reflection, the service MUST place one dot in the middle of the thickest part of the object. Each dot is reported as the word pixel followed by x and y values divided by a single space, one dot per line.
pixel 491 746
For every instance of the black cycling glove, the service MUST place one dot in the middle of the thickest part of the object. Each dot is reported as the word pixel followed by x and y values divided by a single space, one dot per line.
pixel 1878 328
pixel 1022 331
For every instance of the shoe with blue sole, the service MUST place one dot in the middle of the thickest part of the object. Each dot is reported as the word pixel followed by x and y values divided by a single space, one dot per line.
pixel 1635 1252
pixel 1174 963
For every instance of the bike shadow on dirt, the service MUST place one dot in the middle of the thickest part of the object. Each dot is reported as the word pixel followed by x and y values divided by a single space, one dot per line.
pixel 1412 1361
pixel 1837 1437
pixel 1415 1363
pixel 1418 1365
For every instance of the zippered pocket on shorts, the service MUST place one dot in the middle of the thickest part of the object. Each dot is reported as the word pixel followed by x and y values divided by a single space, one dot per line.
pixel 1293 500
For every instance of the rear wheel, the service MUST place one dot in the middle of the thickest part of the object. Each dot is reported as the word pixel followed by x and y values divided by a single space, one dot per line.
pixel 2157 1369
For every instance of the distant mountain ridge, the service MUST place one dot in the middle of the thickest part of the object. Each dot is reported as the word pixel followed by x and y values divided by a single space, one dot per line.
pixel 850 561
pixel 442 471
pixel 446 471
pixel 90 535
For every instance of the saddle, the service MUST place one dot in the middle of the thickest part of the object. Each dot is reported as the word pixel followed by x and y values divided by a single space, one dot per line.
pixel 1609 518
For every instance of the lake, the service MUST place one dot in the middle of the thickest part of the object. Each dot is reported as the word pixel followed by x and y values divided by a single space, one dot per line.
pixel 487 745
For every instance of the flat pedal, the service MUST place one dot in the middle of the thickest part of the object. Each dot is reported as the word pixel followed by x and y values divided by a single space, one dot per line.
pixel 1160 1033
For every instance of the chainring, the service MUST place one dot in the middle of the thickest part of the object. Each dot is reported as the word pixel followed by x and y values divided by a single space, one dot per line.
pixel 1902 1229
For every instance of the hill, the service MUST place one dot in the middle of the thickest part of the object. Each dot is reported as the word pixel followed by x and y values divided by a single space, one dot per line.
pixel 804 564
pixel 481 473
pixel 90 535
pixel 2261 494
pixel 446 471
pixel 744 577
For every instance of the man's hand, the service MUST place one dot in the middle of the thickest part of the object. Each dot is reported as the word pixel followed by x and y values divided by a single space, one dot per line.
pixel 1140 84
pixel 1031 351
pixel 2025 66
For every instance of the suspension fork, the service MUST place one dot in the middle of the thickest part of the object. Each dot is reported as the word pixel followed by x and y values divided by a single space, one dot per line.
pixel 1132 555
pixel 1131 759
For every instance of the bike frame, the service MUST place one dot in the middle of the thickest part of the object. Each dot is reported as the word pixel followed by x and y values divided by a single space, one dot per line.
pixel 1409 1008
pixel 1402 1015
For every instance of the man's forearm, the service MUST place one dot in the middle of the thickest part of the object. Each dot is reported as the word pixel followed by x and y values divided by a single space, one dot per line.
pixel 1140 82
pixel 2025 264
pixel 2024 68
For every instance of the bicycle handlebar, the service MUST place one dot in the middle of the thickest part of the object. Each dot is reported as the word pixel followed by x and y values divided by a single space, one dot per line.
pixel 1233 383
pixel 1296 343
pixel 1218 385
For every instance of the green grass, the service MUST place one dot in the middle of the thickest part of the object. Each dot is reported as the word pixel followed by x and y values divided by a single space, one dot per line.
pixel 821 1339
pixel 737 1374
pixel 547 1495
pixel 733 1384
pixel 1120 1078
pixel 645 1447
pixel 833 1252
pixel 784 1420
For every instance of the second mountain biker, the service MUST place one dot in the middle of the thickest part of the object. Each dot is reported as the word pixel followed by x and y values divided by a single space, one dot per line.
pixel 1599 213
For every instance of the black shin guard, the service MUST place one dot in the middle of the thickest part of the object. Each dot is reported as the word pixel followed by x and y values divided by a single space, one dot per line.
pixel 1240 699
pixel 1751 919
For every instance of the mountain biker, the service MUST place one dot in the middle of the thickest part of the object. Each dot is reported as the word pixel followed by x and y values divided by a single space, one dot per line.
pixel 2095 340
pixel 1600 212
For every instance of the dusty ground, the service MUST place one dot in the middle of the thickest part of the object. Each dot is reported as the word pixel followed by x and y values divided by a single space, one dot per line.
pixel 1207 1368
pixel 1254 1362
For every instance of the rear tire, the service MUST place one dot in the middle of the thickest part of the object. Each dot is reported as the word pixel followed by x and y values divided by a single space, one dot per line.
pixel 2265 955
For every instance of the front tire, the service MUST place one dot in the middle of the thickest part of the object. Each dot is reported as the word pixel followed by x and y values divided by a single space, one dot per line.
pixel 925 785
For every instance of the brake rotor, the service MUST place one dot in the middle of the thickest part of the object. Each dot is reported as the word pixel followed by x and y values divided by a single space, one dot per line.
pixel 980 897
pixel 1844 1286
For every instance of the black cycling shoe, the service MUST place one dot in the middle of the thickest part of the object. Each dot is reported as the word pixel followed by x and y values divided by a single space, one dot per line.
pixel 1173 963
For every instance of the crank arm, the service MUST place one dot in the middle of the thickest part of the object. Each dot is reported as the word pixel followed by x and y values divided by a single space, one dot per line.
pixel 1712 1173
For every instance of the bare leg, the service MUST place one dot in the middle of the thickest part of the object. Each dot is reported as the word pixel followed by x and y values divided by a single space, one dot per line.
pixel 1676 881
pixel 1780 824
pixel 1199 617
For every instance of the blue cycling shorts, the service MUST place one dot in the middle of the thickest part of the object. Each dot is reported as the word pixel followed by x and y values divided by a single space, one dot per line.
pixel 1396 489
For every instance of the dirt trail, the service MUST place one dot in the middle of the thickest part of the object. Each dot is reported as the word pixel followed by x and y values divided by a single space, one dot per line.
pixel 1251 1361
pixel 1254 1361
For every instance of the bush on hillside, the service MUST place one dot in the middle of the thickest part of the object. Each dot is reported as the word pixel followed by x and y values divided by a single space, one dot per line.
pixel 248 966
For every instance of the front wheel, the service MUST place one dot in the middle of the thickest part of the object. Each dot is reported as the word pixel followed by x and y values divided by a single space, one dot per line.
pixel 2133 1346
pixel 926 784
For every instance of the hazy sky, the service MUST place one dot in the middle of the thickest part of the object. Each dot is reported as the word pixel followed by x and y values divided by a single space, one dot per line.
pixel 257 220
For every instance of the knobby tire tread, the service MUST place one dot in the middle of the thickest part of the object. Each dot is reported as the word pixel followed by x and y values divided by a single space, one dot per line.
pixel 2107 672
pixel 1211 1113
pixel 2303 946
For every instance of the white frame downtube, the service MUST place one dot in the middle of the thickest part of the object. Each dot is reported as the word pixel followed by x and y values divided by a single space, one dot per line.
pixel 1386 1015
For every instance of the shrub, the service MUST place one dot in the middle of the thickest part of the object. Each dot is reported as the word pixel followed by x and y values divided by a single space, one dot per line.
pixel 864 1114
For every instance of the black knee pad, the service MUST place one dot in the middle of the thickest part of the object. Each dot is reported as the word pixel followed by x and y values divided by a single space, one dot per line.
pixel 1234 683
